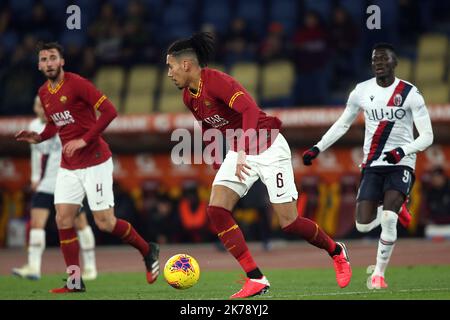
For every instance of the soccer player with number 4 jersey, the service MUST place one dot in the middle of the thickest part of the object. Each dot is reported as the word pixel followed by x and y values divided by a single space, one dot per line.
pixel 70 105
pixel 390 107
pixel 45 161
pixel 221 103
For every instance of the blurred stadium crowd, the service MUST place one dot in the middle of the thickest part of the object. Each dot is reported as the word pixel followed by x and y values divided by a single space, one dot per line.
pixel 316 49
pixel 287 53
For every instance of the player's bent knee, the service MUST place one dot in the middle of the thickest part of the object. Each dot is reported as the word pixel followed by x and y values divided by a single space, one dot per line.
pixel 63 221
pixel 389 226
pixel 286 213
pixel 223 197
pixel 286 219
pixel 105 225
pixel 365 227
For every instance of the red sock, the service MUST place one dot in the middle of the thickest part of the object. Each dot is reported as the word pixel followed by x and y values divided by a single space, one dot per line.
pixel 311 232
pixel 231 236
pixel 128 234
pixel 70 246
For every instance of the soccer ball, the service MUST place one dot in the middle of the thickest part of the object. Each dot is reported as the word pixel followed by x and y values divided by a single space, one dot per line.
pixel 181 271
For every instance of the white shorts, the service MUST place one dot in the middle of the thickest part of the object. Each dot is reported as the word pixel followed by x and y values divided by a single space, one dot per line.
pixel 273 167
pixel 95 182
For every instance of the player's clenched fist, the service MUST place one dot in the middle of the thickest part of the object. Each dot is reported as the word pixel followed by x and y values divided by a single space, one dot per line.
pixel 28 136
pixel 394 156
pixel 309 155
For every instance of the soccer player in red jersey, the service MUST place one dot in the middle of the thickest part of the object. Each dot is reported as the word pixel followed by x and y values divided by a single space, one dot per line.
pixel 70 104
pixel 220 102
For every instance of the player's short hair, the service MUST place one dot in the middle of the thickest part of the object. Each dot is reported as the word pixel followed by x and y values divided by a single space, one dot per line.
pixel 200 44
pixel 50 45
pixel 384 45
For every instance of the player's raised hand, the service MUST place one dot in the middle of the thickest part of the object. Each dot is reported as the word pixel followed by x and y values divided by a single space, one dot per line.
pixel 241 166
pixel 310 155
pixel 72 146
pixel 28 136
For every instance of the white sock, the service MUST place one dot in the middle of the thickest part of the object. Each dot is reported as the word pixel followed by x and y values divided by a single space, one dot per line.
pixel 371 225
pixel 87 244
pixel 36 248
pixel 387 241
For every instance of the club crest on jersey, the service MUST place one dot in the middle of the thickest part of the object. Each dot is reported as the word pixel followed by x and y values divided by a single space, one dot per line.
pixel 63 99
pixel 398 99
pixel 207 103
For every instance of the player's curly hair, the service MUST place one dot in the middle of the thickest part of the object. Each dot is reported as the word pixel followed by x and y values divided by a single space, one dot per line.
pixel 50 45
pixel 201 44
pixel 384 45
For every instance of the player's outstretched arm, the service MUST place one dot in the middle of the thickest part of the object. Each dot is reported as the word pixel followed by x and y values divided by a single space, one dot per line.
pixel 336 131
pixel 28 136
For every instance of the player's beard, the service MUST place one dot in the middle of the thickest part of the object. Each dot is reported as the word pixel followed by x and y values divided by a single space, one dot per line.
pixel 57 73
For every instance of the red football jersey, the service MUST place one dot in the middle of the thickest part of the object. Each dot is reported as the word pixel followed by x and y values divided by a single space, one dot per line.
pixel 71 108
pixel 220 103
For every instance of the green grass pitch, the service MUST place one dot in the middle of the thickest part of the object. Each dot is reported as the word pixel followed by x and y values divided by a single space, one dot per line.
pixel 418 282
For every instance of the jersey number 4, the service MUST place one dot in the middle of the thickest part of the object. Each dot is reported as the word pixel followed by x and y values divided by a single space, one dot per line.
pixel 100 188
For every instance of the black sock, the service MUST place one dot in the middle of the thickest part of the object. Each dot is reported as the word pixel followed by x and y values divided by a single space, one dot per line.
pixel 255 274
pixel 336 251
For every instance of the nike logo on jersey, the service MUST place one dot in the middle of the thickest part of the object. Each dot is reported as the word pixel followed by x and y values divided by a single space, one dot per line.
pixel 279 195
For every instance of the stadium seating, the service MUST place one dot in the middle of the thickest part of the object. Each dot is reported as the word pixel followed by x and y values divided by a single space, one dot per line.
pixel 436 94
pixel 323 7
pixel 217 13
pixel 277 80
pixel 216 66
pixel 286 13
pixel 429 72
pixel 357 9
pixel 171 99
pixel 142 83
pixel 171 103
pixel 247 73
pixel 55 9
pixel 176 22
pixel 110 80
pixel 432 47
pixel 404 69
pixel 21 9
pixel 390 12
pixel 253 12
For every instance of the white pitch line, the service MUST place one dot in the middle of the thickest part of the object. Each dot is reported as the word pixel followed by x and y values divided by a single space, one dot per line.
pixel 374 291
pixel 361 292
